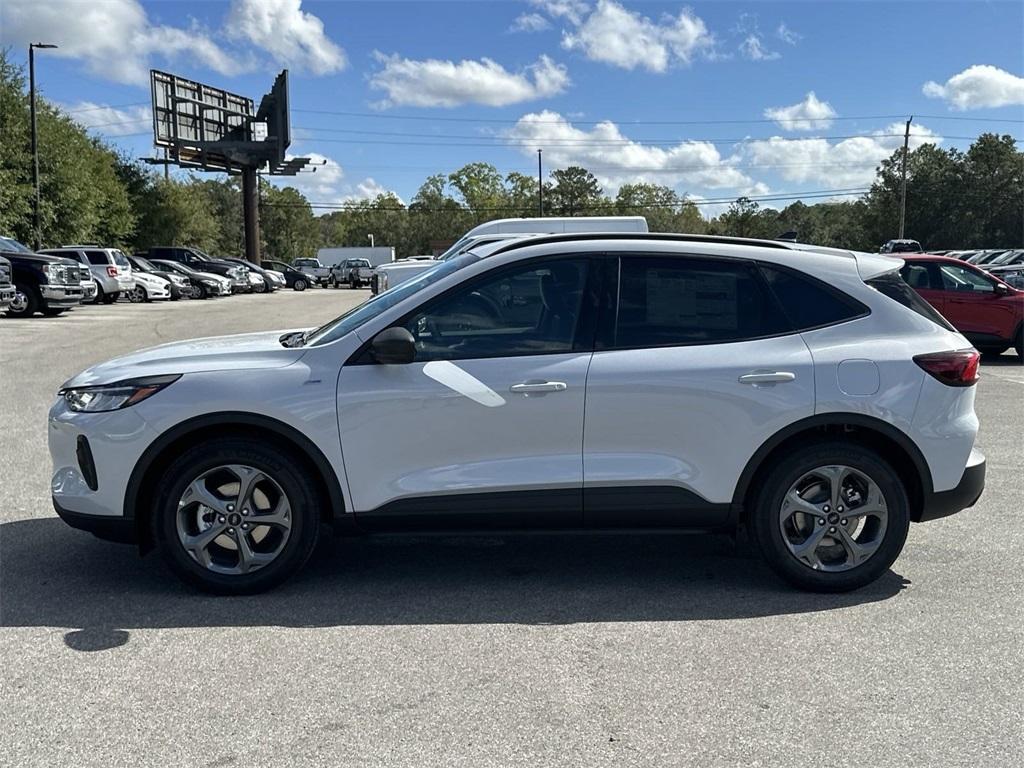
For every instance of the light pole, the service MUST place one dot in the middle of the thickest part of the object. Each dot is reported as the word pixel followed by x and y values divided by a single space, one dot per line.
pixel 37 244
pixel 370 237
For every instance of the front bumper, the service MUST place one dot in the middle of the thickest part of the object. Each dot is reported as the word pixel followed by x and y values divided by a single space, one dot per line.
pixel 62 295
pixel 118 529
pixel 6 296
pixel 944 503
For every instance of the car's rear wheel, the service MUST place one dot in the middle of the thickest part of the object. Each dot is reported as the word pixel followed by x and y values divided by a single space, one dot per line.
pixel 831 517
pixel 110 298
pixel 234 516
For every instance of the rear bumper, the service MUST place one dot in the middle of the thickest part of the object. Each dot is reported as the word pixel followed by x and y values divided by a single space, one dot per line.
pixel 966 494
pixel 118 529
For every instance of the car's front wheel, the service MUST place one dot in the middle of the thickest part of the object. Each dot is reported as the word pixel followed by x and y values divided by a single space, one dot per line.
pixel 299 284
pixel 831 517
pixel 234 516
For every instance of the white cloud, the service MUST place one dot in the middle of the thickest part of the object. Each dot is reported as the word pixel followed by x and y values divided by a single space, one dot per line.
pixel 571 10
pixel 440 83
pixel 529 22
pixel 615 159
pixel 622 38
pixel 368 189
pixel 752 48
pixel 115 39
pixel 977 87
pixel 321 182
pixel 787 35
pixel 807 115
pixel 834 164
pixel 291 36
pixel 111 121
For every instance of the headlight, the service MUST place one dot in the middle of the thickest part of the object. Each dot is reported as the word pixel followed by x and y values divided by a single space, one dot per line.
pixel 210 283
pixel 112 397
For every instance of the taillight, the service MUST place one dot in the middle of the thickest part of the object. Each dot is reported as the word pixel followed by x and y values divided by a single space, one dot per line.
pixel 954 369
pixel 112 271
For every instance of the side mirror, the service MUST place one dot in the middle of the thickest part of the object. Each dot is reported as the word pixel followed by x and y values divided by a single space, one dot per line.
pixel 393 346
pixel 1002 290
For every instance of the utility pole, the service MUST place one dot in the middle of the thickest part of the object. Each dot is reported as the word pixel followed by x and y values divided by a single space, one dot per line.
pixel 903 183
pixel 36 235
pixel 370 238
pixel 540 183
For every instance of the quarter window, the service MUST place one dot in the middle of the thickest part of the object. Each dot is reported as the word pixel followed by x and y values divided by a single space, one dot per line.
pixel 529 310
pixel 666 301
pixel 809 303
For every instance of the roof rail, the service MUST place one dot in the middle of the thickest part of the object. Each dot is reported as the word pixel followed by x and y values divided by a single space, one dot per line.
pixel 663 236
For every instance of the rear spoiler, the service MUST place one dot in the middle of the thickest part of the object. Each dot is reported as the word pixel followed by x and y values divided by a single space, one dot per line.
pixel 871 265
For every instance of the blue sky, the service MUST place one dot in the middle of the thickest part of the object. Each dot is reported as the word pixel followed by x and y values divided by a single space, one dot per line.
pixel 713 99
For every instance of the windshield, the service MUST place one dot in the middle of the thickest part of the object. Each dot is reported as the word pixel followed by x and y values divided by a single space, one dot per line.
pixel 147 265
pixel 13 245
pixel 368 310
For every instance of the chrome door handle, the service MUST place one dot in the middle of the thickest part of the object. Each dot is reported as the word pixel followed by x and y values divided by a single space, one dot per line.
pixel 767 377
pixel 534 387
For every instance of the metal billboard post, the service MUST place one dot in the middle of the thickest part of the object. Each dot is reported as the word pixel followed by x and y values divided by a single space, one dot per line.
pixel 251 214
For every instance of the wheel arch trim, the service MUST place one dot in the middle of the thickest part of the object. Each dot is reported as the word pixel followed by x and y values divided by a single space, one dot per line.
pixel 835 419
pixel 309 449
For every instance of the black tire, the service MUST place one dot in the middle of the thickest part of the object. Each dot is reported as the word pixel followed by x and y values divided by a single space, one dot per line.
pixel 993 351
pixel 32 301
pixel 293 479
pixel 765 515
pixel 332 281
pixel 53 311
pixel 1019 344
pixel 110 298
pixel 299 284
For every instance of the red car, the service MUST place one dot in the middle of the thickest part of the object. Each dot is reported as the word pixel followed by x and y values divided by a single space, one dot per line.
pixel 981 306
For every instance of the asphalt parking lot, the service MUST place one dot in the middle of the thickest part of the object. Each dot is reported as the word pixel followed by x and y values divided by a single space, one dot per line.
pixel 536 650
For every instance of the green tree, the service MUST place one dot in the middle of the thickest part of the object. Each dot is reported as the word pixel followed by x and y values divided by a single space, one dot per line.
pixel 481 188
pixel 575 192
pixel 664 209
pixel 170 213
pixel 287 226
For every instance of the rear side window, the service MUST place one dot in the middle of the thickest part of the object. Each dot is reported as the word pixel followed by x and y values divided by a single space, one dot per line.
pixel 918 277
pixel 666 301
pixel 97 257
pixel 809 303
pixel 892 285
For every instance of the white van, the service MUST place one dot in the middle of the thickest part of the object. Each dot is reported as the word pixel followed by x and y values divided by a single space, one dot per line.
pixel 389 275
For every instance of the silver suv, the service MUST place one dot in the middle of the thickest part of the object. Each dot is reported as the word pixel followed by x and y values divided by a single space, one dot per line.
pixel 109 267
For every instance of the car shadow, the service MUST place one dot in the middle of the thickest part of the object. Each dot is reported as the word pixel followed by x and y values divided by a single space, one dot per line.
pixel 53 576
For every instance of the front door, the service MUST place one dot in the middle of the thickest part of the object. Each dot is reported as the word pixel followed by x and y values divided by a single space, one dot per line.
pixel 974 307
pixel 485 427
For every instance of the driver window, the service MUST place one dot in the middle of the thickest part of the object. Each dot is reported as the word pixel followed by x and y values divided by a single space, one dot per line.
pixel 956 278
pixel 529 310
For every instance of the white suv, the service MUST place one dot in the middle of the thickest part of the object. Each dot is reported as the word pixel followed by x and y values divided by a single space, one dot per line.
pixel 559 382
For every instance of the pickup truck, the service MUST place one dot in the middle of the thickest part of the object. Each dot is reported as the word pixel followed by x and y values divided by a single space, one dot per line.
pixel 6 286
pixel 354 273
pixel 316 271
pixel 45 284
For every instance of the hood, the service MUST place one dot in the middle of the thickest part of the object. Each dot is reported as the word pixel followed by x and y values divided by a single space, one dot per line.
pixel 242 352
pixel 212 276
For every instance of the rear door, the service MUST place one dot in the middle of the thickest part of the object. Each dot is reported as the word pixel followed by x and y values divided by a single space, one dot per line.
pixel 694 369
pixel 485 427
pixel 923 277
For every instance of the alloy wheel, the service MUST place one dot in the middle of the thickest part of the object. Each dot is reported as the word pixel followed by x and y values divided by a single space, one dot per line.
pixel 20 301
pixel 234 519
pixel 833 518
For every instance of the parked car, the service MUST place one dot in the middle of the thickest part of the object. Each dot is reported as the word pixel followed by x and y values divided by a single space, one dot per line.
pixel 202 262
pixel 149 288
pixel 45 284
pixel 901 246
pixel 180 285
pixel 809 396
pixel 269 281
pixel 109 267
pixel 314 270
pixel 294 279
pixel 89 288
pixel 354 273
pixel 984 257
pixel 204 284
pixel 6 286
pixel 982 307
pixel 1011 258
